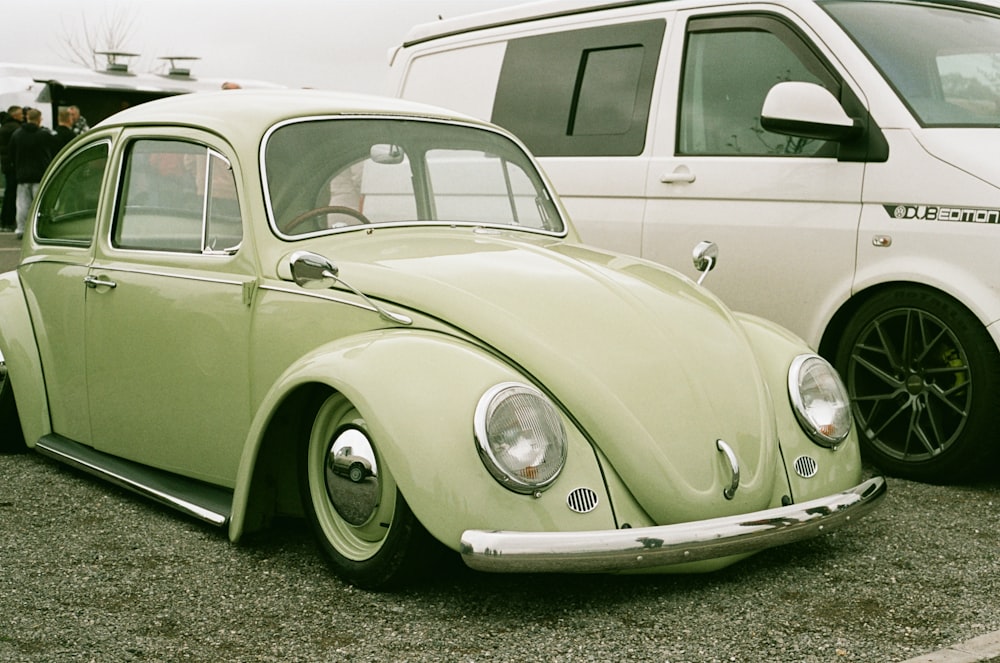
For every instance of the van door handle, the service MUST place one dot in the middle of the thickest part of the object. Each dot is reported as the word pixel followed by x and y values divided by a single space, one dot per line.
pixel 681 175
pixel 99 282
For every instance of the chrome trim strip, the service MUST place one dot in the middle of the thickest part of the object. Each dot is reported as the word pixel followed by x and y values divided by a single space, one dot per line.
pixel 206 503
pixel 172 275
pixel 648 547
pixel 301 292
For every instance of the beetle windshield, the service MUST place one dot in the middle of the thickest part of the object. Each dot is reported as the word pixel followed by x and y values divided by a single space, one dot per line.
pixel 327 175
pixel 944 62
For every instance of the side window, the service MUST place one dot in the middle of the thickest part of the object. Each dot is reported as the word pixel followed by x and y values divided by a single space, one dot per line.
pixel 590 97
pixel 730 64
pixel 67 212
pixel 177 196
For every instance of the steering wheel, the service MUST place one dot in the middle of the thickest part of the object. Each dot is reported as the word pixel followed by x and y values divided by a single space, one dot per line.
pixel 326 209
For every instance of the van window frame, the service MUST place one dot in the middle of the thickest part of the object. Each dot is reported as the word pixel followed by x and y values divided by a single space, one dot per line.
pixel 542 104
pixel 784 31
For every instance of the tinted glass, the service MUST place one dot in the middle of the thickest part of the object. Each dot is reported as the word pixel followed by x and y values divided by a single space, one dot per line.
pixel 729 67
pixel 580 92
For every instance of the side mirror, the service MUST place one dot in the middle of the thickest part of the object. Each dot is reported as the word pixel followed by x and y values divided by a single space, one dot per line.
pixel 312 271
pixel 704 257
pixel 807 110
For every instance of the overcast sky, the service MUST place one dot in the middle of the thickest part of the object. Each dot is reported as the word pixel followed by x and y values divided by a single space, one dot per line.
pixel 339 44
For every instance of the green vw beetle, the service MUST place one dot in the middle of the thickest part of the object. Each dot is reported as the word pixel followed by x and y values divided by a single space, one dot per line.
pixel 374 314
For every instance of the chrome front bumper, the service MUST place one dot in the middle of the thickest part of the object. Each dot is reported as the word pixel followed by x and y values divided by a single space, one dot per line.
pixel 648 547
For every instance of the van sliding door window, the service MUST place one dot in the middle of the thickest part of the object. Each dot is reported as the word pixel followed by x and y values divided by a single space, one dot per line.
pixel 730 64
pixel 581 92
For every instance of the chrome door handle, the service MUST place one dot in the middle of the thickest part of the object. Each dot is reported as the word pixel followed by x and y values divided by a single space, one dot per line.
pixel 98 282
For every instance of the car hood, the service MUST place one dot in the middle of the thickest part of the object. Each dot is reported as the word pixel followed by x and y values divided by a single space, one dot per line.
pixel 653 368
pixel 966 149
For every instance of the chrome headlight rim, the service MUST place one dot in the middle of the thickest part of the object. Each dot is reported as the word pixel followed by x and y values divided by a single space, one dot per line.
pixel 488 404
pixel 833 438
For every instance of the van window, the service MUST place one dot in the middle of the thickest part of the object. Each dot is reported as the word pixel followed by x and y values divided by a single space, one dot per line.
pixel 590 97
pixel 950 76
pixel 730 64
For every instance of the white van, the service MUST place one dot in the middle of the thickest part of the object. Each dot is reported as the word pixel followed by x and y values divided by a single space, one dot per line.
pixel 101 92
pixel 844 154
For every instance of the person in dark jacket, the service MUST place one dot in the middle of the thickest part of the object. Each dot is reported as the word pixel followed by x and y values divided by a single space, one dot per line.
pixel 64 130
pixel 12 122
pixel 31 150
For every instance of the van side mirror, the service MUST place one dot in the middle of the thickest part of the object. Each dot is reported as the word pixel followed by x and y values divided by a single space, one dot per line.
pixel 807 110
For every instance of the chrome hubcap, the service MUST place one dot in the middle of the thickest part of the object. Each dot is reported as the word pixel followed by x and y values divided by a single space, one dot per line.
pixel 351 476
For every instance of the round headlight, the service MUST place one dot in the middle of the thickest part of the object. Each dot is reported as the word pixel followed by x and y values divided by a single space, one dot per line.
pixel 819 399
pixel 520 437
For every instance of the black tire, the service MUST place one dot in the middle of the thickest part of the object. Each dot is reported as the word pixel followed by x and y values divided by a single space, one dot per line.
pixel 922 372
pixel 11 436
pixel 384 545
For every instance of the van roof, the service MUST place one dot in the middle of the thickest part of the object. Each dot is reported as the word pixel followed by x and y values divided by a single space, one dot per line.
pixel 522 13
pixel 81 77
pixel 533 11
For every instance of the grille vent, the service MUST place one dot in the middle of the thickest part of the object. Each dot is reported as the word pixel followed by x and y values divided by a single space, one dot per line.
pixel 806 467
pixel 582 500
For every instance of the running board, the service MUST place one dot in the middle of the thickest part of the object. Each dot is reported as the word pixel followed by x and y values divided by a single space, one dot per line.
pixel 203 501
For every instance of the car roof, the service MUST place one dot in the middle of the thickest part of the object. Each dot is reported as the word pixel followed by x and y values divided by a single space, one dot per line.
pixel 256 110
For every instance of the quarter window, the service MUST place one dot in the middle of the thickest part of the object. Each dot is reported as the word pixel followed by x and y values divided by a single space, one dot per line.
pixel 67 212
pixel 177 196
pixel 580 92
pixel 730 64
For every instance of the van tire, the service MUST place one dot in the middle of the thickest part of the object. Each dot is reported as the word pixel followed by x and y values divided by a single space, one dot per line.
pixel 921 371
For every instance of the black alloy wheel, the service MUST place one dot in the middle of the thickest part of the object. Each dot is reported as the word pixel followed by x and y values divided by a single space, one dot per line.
pixel 922 372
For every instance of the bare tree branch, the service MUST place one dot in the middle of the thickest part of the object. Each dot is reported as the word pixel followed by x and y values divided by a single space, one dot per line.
pixel 82 42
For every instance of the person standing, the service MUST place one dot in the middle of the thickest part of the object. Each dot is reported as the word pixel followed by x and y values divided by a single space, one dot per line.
pixel 31 151
pixel 64 130
pixel 15 115
pixel 79 122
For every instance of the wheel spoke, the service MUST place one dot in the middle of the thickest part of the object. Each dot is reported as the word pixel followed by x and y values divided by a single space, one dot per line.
pixel 887 348
pixel 944 397
pixel 916 430
pixel 887 378
pixel 891 418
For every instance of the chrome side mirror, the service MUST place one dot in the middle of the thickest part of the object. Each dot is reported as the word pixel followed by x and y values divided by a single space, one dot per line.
pixel 704 257
pixel 313 271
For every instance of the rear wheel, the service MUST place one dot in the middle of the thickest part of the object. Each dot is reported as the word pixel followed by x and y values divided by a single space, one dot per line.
pixel 11 437
pixel 921 371
pixel 365 528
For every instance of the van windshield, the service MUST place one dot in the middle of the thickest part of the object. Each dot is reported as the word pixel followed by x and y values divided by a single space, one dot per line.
pixel 943 61
pixel 333 174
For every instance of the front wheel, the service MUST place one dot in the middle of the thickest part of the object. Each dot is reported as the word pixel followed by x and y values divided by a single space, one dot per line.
pixel 11 436
pixel 364 527
pixel 922 372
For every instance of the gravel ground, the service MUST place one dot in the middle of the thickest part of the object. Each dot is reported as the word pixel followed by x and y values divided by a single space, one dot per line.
pixel 91 573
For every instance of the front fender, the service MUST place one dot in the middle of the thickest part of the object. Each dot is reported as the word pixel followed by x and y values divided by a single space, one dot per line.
pixel 24 366
pixel 418 391
pixel 838 469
